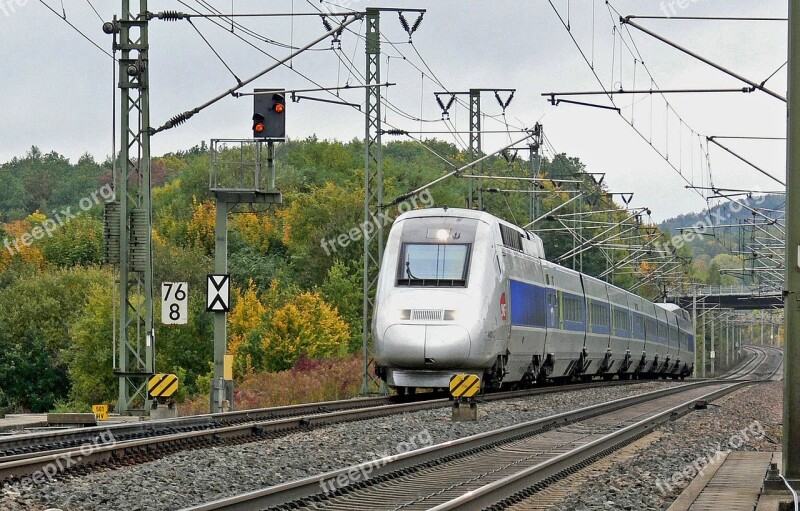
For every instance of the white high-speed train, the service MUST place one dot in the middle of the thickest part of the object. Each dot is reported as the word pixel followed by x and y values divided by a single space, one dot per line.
pixel 462 291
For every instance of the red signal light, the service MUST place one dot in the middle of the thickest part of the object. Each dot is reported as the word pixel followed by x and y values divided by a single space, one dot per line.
pixel 259 128
pixel 279 107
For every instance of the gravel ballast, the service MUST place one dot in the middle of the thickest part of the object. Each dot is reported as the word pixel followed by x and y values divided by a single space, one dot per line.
pixel 193 477
pixel 647 482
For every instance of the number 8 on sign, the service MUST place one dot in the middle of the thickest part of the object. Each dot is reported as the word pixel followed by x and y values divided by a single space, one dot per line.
pixel 174 303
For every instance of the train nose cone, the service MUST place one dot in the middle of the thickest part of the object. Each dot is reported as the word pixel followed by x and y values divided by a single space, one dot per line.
pixel 403 345
pixel 428 346
pixel 446 346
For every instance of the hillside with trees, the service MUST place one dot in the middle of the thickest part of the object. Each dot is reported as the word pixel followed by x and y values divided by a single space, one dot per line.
pixel 294 304
pixel 725 232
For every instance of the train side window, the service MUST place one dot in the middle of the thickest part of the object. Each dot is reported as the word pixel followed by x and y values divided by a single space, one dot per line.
pixel 511 237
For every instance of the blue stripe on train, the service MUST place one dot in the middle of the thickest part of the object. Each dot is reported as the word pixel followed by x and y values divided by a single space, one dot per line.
pixel 528 305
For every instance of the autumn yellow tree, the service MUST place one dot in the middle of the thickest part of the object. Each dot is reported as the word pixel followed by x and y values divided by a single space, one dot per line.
pixel 21 241
pixel 255 229
pixel 246 316
pixel 305 325
pixel 201 226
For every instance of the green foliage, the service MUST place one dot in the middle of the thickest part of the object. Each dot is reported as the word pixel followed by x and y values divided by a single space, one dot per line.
pixel 71 407
pixel 342 288
pixel 78 242
pixel 35 318
pixel 45 182
pixel 31 375
pixel 181 264
pixel 248 264
pixel 89 357
pixel 186 348
pixel 202 383
pixel 718 264
pixel 312 219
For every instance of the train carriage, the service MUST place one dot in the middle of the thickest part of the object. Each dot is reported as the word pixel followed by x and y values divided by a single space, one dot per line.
pixel 464 291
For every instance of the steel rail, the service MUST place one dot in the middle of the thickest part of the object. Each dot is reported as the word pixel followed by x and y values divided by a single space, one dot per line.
pixel 310 487
pixel 100 450
pixel 521 481
pixel 759 357
pixel 29 442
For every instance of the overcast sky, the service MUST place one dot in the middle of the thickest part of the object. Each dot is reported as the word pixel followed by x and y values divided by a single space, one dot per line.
pixel 56 89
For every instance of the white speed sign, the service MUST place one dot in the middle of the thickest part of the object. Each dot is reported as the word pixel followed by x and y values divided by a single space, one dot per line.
pixel 174 303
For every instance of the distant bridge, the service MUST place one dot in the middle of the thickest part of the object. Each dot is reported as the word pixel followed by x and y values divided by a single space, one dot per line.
pixel 730 297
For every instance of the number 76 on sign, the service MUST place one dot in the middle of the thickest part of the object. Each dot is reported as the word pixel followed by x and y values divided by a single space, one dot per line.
pixel 174 303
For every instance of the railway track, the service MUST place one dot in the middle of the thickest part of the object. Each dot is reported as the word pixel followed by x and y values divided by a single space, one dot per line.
pixel 763 365
pixel 32 443
pixel 123 444
pixel 495 469
pixel 17 446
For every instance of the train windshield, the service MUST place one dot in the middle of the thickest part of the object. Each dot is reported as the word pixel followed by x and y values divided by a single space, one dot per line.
pixel 428 264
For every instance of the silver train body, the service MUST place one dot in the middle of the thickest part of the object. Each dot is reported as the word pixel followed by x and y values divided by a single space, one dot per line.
pixel 463 291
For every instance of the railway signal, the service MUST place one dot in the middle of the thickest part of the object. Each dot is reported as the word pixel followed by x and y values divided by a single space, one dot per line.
pixel 269 114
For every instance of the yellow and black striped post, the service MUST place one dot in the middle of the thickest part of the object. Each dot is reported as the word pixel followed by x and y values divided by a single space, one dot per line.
pixel 463 388
pixel 464 385
pixel 162 386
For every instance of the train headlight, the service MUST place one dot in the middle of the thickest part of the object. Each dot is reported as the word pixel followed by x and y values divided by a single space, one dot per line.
pixel 443 234
pixel 405 314
pixel 450 315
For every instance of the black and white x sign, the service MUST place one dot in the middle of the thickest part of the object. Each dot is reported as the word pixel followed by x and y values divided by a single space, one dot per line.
pixel 218 293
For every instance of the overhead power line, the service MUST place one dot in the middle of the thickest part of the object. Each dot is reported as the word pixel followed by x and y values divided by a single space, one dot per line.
pixel 181 118
pixel 63 17
pixel 627 21
pixel 705 18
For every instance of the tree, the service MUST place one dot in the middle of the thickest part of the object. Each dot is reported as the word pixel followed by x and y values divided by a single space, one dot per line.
pixel 305 325
pixel 35 318
pixel 89 357
pixel 78 242
pixel 21 244
pixel 312 219
pixel 342 289
pixel 201 227
pixel 31 377
pixel 246 316
pixel 256 230
pixel 714 276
